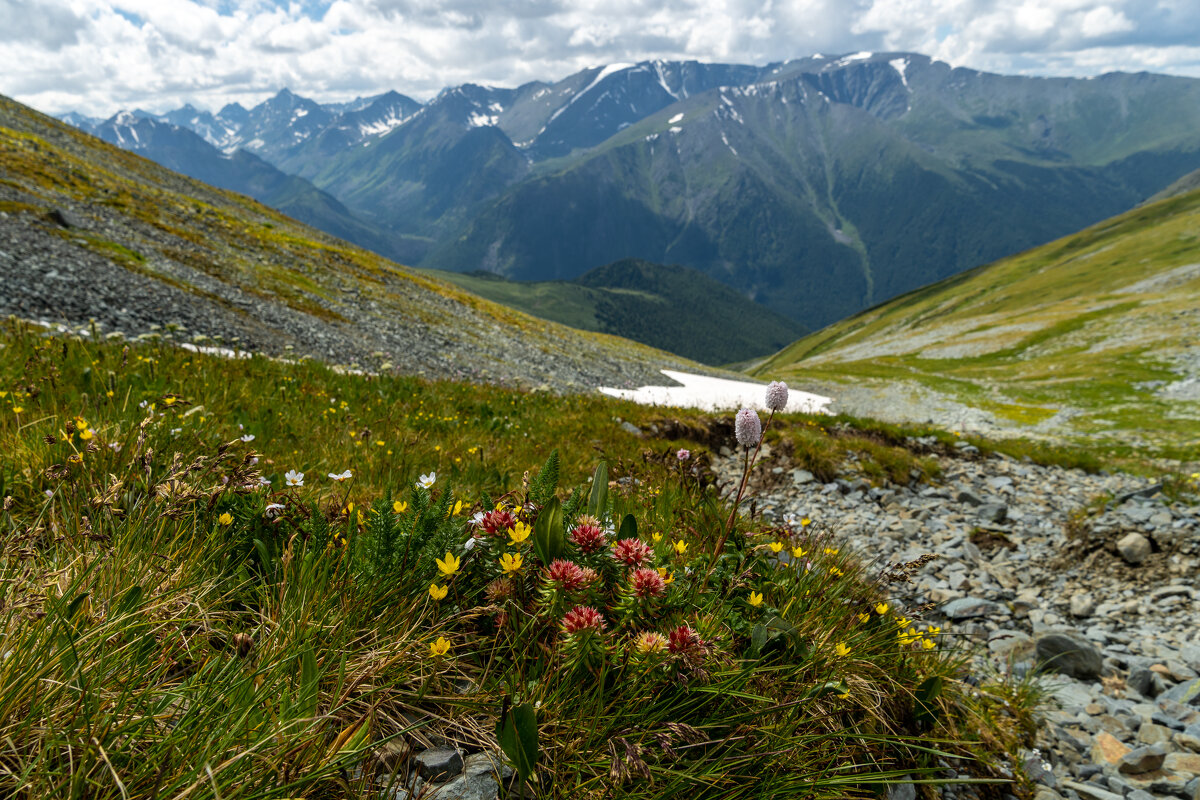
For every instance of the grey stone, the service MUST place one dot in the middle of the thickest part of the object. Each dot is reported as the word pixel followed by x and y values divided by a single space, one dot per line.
pixel 1090 791
pixel 630 428
pixel 802 476
pixel 968 497
pixel 438 763
pixel 1146 682
pixel 1143 759
pixel 1070 654
pixel 1152 734
pixel 902 791
pixel 968 607
pixel 1082 605
pixel 1186 693
pixel 478 780
pixel 1134 548
pixel 993 512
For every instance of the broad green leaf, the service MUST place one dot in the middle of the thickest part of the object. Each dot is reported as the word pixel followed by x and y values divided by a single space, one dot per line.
pixel 518 736
pixel 628 529
pixel 598 500
pixel 927 692
pixel 549 539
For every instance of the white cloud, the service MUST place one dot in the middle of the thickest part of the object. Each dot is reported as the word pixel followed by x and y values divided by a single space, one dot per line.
pixel 100 55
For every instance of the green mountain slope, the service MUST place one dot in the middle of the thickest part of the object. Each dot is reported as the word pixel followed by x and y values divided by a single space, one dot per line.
pixel 91 232
pixel 672 308
pixel 1094 335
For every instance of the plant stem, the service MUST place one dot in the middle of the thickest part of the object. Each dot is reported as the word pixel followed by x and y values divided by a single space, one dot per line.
pixel 749 463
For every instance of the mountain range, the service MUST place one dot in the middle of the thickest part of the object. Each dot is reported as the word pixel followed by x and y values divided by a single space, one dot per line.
pixel 104 240
pixel 817 187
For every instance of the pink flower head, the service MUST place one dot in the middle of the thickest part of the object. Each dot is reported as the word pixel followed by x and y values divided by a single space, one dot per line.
pixel 683 640
pixel 582 618
pixel 648 582
pixel 632 552
pixel 683 454
pixel 494 522
pixel 567 574
pixel 747 427
pixel 777 395
pixel 589 538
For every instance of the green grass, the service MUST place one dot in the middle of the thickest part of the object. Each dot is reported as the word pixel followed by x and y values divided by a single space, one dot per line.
pixel 169 635
pixel 1044 331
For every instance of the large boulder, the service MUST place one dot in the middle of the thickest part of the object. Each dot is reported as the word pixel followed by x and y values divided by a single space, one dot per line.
pixel 1070 654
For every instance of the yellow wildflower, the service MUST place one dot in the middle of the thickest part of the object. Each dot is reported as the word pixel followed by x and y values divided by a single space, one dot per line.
pixel 440 647
pixel 680 547
pixel 881 608
pixel 85 434
pixel 835 572
pixel 519 533
pixel 928 644
pixel 864 617
pixel 449 565
pixel 656 537
pixel 831 551
pixel 804 523
pixel 756 599
pixel 458 508
pixel 225 519
pixel 775 546
pixel 18 409
pixel 438 592
pixel 666 576
pixel 798 552
pixel 903 622
pixel 842 649
pixel 511 562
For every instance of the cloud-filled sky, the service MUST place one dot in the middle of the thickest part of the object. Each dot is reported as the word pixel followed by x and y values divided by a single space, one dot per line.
pixel 98 56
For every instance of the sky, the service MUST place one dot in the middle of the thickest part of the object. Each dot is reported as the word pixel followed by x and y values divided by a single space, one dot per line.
pixel 100 56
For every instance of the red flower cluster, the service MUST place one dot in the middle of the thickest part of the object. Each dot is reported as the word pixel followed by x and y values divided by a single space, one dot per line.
pixel 567 574
pixel 683 641
pixel 582 618
pixel 648 583
pixel 589 538
pixel 632 552
pixel 494 522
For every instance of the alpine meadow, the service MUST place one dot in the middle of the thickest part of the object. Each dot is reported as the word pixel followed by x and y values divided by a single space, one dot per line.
pixel 732 401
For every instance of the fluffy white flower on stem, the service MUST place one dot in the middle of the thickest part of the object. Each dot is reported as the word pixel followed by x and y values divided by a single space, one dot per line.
pixel 425 481
pixel 345 476
pixel 747 427
pixel 294 478
pixel 777 395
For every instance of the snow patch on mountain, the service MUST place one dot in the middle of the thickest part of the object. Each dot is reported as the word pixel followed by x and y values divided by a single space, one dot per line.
pixel 900 65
